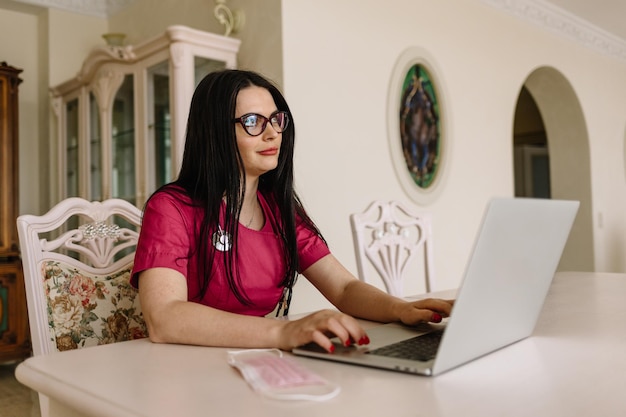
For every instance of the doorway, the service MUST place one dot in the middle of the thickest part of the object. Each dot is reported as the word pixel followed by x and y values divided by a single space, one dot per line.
pixel 531 160
pixel 550 134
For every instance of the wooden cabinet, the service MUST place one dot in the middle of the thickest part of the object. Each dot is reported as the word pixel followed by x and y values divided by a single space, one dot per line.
pixel 9 82
pixel 14 332
pixel 122 119
pixel 14 339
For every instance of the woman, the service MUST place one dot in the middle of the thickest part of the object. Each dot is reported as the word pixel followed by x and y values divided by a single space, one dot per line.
pixel 222 245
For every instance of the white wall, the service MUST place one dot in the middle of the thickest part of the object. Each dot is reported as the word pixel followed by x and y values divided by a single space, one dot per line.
pixel 49 45
pixel 71 37
pixel 338 60
pixel 22 52
pixel 336 65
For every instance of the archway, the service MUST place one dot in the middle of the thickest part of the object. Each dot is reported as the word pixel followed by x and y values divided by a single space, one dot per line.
pixel 530 146
pixel 567 143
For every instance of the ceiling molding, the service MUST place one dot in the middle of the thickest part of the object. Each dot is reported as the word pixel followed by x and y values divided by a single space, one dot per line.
pixel 97 8
pixel 537 12
pixel 561 22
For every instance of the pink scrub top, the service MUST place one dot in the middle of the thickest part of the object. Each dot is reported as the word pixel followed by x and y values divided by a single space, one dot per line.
pixel 167 241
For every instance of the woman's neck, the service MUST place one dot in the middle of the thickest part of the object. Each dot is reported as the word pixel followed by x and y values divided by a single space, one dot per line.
pixel 251 214
pixel 252 185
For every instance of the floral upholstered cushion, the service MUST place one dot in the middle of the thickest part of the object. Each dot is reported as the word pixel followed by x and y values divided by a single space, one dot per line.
pixel 88 310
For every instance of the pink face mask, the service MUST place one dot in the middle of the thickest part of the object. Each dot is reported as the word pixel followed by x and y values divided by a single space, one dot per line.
pixel 276 376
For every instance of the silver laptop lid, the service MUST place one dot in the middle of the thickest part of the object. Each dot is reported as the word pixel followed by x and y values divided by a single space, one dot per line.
pixel 515 256
pixel 514 259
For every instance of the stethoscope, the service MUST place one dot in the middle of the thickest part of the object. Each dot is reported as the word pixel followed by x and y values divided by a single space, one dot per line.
pixel 223 243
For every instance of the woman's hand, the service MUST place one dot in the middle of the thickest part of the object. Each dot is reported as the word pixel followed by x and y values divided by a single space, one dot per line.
pixel 428 310
pixel 319 327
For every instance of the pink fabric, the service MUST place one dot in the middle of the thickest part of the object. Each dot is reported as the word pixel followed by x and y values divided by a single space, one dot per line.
pixel 166 240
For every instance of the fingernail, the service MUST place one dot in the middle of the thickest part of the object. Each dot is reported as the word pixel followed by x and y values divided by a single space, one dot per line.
pixel 364 340
pixel 436 318
pixel 331 349
pixel 348 343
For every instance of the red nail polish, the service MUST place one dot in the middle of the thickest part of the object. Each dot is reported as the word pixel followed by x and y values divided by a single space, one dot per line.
pixel 348 343
pixel 364 340
pixel 436 318
pixel 332 349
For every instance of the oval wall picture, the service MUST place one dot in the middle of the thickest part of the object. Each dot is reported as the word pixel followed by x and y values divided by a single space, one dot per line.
pixel 419 126
pixel 418 130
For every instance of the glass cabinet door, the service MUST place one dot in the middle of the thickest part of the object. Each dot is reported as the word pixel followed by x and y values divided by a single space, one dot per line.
pixel 204 66
pixel 71 141
pixel 123 142
pixel 159 133
pixel 95 150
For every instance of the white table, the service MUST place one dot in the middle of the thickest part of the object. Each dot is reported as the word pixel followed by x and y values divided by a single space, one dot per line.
pixel 573 365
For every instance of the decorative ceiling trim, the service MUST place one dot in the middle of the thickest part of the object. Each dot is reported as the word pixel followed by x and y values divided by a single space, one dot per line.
pixel 559 21
pixel 537 12
pixel 97 8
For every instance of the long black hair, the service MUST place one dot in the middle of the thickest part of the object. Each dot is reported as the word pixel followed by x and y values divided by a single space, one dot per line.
pixel 212 170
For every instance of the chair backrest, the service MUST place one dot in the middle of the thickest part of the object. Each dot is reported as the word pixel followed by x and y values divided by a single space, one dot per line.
pixel 389 235
pixel 77 262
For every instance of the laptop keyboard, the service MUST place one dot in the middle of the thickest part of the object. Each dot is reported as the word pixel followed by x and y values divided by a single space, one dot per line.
pixel 422 348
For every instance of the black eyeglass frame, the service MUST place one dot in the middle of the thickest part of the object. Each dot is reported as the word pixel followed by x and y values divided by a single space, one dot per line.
pixel 240 120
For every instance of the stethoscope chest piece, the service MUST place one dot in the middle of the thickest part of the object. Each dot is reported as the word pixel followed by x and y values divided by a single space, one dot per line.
pixel 221 240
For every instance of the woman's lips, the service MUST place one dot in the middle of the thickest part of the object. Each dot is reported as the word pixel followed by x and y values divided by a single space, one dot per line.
pixel 269 152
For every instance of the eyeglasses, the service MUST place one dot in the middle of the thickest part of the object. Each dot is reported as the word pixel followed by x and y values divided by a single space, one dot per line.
pixel 254 124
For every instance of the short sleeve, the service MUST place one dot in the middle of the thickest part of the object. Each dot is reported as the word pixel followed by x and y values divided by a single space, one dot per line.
pixel 311 247
pixel 164 240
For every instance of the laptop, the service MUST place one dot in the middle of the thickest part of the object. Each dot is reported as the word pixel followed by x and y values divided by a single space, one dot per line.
pixel 515 256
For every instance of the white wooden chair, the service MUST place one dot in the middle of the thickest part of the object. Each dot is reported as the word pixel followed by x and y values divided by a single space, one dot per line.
pixel 77 261
pixel 389 235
